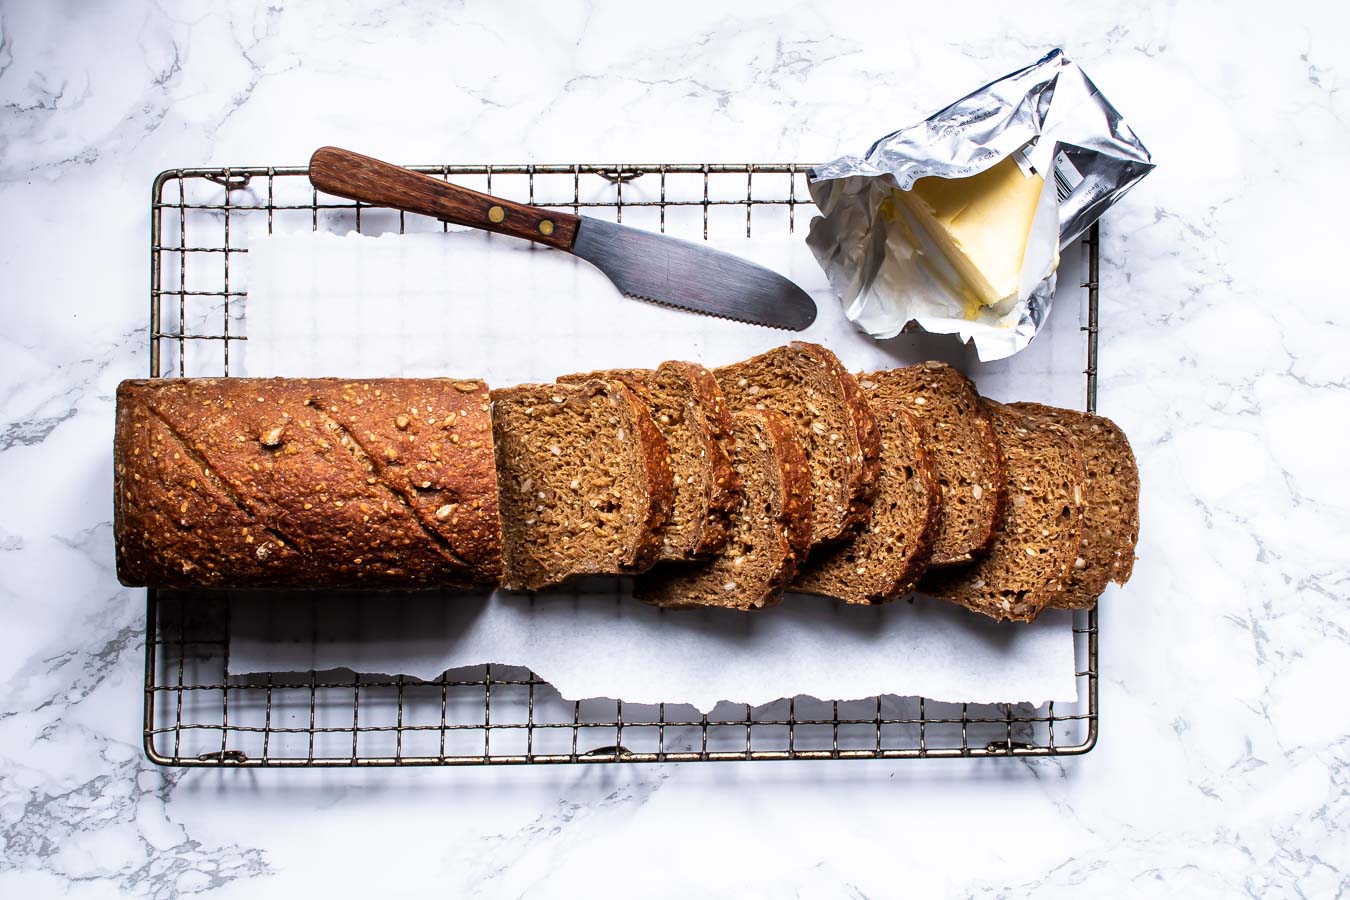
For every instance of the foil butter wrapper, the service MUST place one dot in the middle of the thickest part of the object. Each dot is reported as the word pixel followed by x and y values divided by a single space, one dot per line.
pixel 1075 156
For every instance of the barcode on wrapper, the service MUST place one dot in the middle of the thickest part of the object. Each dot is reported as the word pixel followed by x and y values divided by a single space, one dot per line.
pixel 1067 176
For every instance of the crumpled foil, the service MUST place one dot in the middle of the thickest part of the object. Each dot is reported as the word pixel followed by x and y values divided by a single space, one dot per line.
pixel 1052 120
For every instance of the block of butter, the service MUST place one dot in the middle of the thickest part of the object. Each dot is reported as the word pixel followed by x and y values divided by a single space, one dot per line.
pixel 972 232
pixel 954 224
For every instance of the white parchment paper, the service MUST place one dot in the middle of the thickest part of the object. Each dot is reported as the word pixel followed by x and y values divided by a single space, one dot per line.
pixel 467 304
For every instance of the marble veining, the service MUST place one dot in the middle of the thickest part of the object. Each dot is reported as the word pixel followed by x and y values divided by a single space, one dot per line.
pixel 1224 759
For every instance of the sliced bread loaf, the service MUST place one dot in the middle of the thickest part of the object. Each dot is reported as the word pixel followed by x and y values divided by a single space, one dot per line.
pixel 1038 536
pixel 692 415
pixel 966 455
pixel 585 481
pixel 887 555
pixel 809 385
pixel 770 530
pixel 1111 514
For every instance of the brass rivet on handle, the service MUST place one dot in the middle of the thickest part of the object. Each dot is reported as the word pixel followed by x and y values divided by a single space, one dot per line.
pixel 496 214
pixel 546 227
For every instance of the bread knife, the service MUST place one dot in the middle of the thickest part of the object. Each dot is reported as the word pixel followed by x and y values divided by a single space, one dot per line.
pixel 642 264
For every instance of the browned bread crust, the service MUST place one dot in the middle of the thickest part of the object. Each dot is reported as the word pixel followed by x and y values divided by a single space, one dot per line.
pixel 243 482
pixel 710 396
pixel 724 493
pixel 1111 516
pixel 783 379
pixel 886 556
pixel 770 534
pixel 600 463
pixel 867 432
pixel 797 499
pixel 1038 537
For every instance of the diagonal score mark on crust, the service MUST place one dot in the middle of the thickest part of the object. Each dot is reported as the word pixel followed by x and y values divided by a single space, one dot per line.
pixel 353 444
pixel 225 486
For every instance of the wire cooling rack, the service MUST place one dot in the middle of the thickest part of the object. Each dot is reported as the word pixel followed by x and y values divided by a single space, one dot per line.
pixel 197 713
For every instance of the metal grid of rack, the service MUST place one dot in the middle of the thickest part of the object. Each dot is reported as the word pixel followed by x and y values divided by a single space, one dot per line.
pixel 197 713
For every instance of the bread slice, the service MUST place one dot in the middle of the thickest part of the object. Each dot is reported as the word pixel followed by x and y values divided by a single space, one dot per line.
pixel 692 415
pixel 887 555
pixel 1111 515
pixel 965 451
pixel 809 385
pixel 770 532
pixel 1037 539
pixel 584 478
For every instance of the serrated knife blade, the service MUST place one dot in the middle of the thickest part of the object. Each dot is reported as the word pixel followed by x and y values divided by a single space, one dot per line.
pixel 678 273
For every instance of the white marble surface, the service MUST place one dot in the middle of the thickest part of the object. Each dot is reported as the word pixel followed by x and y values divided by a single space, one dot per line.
pixel 1222 767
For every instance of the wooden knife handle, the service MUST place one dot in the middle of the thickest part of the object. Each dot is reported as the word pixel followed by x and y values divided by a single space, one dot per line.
pixel 357 177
